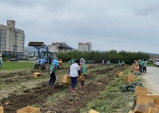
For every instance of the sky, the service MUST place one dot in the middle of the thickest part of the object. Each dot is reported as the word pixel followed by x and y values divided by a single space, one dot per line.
pixel 129 25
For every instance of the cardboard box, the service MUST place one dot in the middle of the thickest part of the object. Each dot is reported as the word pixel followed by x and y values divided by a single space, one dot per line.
pixel 143 99
pixel 1 109
pixel 140 108
pixel 119 74
pixel 156 96
pixel 93 111
pixel 141 90
pixel 156 107
pixel 29 109
pixel 124 67
pixel 150 110
pixel 81 78
pixel 131 112
pixel 36 74
pixel 152 105
pixel 65 79
pixel 88 65
pixel 130 78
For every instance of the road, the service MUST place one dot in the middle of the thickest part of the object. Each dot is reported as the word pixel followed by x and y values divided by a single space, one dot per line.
pixel 151 79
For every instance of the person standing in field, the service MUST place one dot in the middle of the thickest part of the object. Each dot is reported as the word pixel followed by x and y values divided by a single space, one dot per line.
pixel 74 71
pixel 102 62
pixel 52 70
pixel 1 61
pixel 144 66
pixel 84 72
pixel 108 63
pixel 72 61
pixel 140 63
pixel 122 63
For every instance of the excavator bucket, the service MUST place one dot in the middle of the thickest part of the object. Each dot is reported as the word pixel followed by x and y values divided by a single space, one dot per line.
pixel 36 44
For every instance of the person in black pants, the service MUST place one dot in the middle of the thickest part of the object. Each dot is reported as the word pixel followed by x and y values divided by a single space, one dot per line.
pixel 52 70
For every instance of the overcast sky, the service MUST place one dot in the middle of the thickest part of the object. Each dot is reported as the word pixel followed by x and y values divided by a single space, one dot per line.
pixel 130 25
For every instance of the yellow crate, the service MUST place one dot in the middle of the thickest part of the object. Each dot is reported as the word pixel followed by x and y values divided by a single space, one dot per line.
pixel 29 109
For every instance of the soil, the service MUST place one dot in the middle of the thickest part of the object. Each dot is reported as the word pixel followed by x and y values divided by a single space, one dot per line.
pixel 67 104
pixel 13 74
pixel 72 103
pixel 9 78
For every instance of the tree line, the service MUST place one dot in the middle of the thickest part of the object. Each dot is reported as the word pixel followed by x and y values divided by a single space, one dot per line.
pixel 113 55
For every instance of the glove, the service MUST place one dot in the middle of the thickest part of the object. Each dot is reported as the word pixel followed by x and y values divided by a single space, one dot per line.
pixel 50 72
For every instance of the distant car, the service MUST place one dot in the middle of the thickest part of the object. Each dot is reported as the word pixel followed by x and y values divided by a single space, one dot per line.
pixel 156 63
pixel 90 62
pixel 14 59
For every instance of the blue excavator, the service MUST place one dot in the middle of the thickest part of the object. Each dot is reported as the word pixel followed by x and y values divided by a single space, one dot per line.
pixel 45 57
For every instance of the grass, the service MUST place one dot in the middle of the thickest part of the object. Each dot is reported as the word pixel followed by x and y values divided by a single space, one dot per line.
pixel 65 64
pixel 2 86
pixel 16 65
pixel 112 99
pixel 150 63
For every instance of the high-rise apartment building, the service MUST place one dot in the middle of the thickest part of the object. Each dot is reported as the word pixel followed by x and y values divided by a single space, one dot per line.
pixel 85 46
pixel 11 39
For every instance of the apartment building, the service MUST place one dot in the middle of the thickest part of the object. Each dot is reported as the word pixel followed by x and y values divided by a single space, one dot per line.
pixel 59 47
pixel 11 39
pixel 85 46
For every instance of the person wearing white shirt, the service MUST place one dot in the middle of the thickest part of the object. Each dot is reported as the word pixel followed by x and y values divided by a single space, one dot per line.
pixel 74 71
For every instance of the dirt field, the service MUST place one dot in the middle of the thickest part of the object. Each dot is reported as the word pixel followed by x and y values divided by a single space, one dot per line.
pixel 22 90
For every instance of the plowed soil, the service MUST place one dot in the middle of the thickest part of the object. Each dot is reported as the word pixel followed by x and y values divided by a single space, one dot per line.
pixel 71 103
